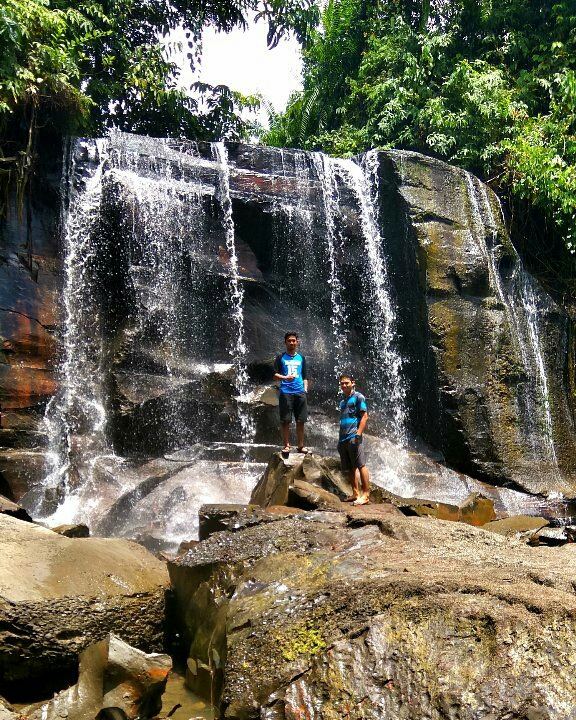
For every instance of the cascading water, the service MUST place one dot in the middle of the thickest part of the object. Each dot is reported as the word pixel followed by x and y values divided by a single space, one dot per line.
pixel 165 212
pixel 154 199
pixel 79 407
pixel 325 169
pixel 237 344
pixel 386 384
pixel 520 305
pixel 342 183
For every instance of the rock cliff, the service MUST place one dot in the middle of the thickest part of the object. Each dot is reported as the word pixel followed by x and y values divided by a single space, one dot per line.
pixel 184 265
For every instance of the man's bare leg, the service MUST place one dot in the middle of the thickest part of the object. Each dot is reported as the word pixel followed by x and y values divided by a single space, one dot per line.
pixel 285 430
pixel 299 434
pixel 364 496
pixel 354 482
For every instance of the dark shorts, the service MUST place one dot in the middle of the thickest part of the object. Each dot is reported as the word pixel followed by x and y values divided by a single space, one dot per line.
pixel 351 454
pixel 293 404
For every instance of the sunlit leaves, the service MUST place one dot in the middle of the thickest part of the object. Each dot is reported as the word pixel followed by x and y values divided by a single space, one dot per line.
pixel 104 63
pixel 486 85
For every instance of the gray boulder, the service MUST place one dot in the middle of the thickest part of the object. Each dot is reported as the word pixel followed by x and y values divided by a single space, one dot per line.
pixel 58 595
pixel 332 615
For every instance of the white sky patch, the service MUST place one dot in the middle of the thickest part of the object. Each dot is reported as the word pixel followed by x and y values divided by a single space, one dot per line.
pixel 243 61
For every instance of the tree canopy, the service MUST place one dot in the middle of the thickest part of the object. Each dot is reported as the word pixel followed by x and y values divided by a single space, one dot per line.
pixel 86 66
pixel 83 67
pixel 490 86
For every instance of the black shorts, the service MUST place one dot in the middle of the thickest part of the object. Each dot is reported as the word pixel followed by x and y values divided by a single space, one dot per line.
pixel 351 454
pixel 293 403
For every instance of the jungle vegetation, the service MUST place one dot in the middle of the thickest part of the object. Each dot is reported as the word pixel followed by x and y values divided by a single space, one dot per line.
pixel 83 67
pixel 489 86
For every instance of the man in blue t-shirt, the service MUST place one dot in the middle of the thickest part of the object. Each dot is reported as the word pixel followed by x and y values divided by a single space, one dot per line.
pixel 353 419
pixel 290 369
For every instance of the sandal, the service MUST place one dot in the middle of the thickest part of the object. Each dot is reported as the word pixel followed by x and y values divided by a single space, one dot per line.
pixel 361 501
pixel 285 451
pixel 350 498
pixel 304 451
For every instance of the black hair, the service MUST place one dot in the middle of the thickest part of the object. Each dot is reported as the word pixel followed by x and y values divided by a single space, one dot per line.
pixel 346 375
pixel 290 334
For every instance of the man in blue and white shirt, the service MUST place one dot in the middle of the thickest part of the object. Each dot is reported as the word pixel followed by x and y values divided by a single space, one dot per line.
pixel 290 369
pixel 353 419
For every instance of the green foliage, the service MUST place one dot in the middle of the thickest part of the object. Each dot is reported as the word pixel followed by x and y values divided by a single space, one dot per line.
pixel 83 67
pixel 541 158
pixel 104 63
pixel 40 58
pixel 486 85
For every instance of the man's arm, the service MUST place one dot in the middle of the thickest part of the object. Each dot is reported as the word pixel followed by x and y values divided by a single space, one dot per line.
pixel 362 424
pixel 304 374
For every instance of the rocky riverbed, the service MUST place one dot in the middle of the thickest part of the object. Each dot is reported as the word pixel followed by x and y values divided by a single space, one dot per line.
pixel 296 606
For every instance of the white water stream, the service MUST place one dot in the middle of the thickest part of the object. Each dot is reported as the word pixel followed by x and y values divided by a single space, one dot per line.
pixel 237 345
pixel 172 206
pixel 520 304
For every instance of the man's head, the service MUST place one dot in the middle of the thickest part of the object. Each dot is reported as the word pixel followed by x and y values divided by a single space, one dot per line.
pixel 291 341
pixel 346 383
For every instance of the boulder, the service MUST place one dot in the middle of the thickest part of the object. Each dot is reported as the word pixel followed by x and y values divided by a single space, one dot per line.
pixel 7 507
pixel 72 531
pixel 288 479
pixel 215 518
pixel 58 595
pixel 315 482
pixel 316 616
pixel 7 712
pixel 519 525
pixel 21 470
pixel 113 678
pixel 475 509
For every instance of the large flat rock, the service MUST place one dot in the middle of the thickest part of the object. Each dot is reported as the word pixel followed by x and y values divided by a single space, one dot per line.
pixel 59 594
pixel 367 615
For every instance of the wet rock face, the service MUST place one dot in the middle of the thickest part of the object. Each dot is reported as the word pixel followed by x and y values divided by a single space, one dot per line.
pixel 486 349
pixel 484 352
pixel 30 297
pixel 411 617
pixel 59 594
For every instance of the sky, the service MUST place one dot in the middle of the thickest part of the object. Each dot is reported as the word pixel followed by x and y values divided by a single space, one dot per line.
pixel 242 61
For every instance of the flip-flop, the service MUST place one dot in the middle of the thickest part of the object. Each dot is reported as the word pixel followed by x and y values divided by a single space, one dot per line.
pixel 285 451
pixel 362 502
pixel 304 451
pixel 350 498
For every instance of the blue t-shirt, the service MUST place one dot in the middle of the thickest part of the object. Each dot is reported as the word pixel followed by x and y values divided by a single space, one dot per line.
pixel 291 365
pixel 351 410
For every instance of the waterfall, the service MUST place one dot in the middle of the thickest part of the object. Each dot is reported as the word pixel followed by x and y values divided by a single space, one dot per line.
pixel 520 305
pixel 185 264
pixel 79 406
pixel 385 382
pixel 135 224
pixel 237 344
pixel 325 169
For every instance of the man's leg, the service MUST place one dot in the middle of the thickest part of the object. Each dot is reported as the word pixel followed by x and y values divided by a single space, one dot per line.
pixel 365 477
pixel 353 478
pixel 285 430
pixel 300 415
pixel 299 434
pixel 285 409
